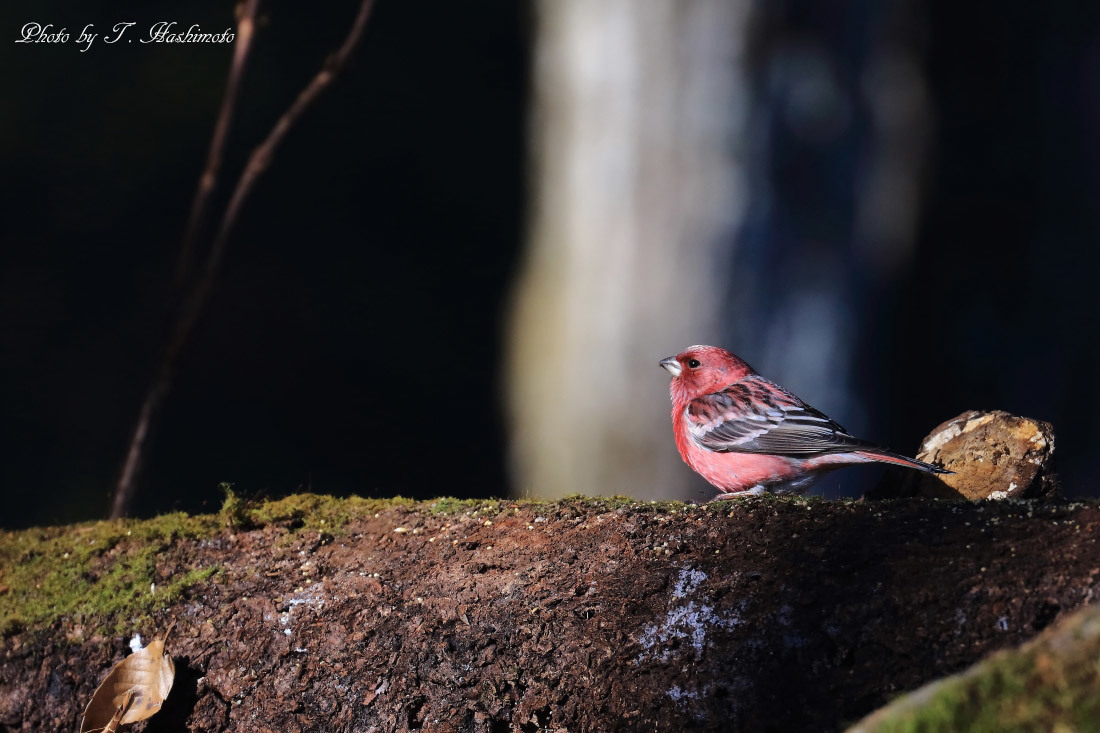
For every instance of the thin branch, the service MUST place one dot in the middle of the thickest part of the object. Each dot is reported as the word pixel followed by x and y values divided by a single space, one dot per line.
pixel 262 156
pixel 195 300
pixel 246 12
pixel 246 27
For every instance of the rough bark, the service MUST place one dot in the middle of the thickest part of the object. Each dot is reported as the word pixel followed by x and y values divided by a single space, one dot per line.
pixel 580 615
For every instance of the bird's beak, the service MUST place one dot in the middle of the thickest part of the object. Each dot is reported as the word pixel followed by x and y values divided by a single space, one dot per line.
pixel 671 365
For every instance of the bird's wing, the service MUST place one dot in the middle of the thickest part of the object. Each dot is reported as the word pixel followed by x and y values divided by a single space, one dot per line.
pixel 754 415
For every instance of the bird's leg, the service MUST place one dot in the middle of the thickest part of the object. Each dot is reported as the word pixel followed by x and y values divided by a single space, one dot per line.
pixel 754 491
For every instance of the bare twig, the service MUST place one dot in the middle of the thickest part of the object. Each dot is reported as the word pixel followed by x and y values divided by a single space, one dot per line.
pixel 246 27
pixel 261 157
pixel 195 300
pixel 150 407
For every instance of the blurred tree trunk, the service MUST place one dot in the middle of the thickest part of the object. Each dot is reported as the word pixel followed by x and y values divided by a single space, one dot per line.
pixel 837 138
pixel 636 196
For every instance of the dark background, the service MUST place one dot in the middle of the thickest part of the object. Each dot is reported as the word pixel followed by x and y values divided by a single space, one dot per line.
pixel 361 291
pixel 353 342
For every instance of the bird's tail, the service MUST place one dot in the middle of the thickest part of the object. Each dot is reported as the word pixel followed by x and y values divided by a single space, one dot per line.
pixel 896 459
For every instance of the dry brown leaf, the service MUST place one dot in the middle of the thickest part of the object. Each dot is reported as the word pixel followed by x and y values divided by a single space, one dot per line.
pixel 146 676
pixel 116 721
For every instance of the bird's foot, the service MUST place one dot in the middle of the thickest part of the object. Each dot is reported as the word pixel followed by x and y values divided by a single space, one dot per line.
pixel 754 491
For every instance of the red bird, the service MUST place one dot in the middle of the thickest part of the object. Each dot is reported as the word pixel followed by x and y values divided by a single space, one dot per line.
pixel 747 435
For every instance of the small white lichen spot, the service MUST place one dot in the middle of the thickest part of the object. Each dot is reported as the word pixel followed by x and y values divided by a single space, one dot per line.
pixel 688 581
pixel 677 694
pixel 687 621
pixel 999 495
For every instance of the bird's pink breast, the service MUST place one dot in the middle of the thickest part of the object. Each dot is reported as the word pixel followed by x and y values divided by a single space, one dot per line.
pixel 733 472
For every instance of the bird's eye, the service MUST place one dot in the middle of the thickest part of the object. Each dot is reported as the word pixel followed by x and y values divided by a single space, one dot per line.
pixel 693 363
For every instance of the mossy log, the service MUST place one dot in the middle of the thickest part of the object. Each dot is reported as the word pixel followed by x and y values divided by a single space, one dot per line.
pixel 585 614
pixel 1049 684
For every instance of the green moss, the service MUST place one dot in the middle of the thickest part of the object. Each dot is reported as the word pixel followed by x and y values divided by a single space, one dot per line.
pixel 448 506
pixel 750 502
pixel 100 573
pixel 234 511
pixel 622 502
pixel 315 512
pixel 612 503
pixel 1050 684
pixel 104 571
pixel 93 570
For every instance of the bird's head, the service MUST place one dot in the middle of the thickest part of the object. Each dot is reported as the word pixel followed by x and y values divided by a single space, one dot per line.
pixel 700 370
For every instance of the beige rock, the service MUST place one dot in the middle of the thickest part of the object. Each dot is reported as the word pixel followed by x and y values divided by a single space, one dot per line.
pixel 994 455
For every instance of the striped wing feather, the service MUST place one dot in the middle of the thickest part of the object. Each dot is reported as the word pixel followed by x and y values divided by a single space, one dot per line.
pixel 758 416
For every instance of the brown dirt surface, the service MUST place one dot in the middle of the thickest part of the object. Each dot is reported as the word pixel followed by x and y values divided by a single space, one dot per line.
pixel 581 615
